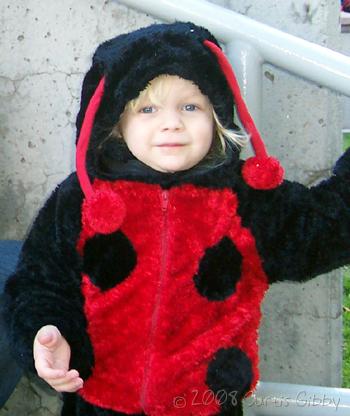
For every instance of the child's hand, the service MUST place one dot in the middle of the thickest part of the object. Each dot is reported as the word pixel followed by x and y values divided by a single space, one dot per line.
pixel 51 355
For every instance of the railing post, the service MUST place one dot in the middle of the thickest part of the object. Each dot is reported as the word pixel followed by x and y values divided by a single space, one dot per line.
pixel 247 65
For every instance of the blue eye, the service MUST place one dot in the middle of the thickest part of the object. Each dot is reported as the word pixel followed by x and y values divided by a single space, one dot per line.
pixel 190 107
pixel 147 110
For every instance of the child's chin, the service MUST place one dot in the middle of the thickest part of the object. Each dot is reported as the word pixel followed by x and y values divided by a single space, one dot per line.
pixel 172 168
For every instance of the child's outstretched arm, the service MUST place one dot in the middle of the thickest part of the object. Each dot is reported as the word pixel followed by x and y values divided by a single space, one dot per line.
pixel 302 232
pixel 51 359
pixel 45 290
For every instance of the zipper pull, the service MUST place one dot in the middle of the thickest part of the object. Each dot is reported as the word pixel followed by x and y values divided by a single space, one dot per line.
pixel 165 200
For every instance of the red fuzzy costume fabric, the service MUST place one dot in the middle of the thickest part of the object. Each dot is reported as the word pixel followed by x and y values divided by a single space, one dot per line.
pixel 153 334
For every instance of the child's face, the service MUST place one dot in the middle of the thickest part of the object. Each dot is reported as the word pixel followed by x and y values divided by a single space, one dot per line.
pixel 176 133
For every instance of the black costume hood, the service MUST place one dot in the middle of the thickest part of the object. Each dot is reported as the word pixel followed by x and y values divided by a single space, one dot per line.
pixel 130 61
pixel 123 66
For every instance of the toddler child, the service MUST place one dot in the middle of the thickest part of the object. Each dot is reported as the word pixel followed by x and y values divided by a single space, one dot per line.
pixel 141 280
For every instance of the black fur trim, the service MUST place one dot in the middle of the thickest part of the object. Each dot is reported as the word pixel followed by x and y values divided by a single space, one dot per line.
pixel 229 376
pixel 131 60
pixel 118 163
pixel 108 259
pixel 300 232
pixel 46 286
pixel 219 271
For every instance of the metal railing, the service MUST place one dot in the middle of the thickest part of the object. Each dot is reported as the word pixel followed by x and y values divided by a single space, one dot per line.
pixel 249 44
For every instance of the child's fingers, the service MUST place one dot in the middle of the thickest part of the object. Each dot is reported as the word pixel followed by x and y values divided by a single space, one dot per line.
pixel 69 388
pixel 48 335
pixel 66 377
pixel 70 382
pixel 65 380
pixel 67 385
pixel 44 338
pixel 45 370
pixel 73 373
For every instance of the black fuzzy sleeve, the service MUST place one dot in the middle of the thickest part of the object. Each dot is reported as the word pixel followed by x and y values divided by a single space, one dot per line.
pixel 302 232
pixel 45 288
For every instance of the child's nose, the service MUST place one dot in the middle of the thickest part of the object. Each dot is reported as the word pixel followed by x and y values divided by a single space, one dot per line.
pixel 171 120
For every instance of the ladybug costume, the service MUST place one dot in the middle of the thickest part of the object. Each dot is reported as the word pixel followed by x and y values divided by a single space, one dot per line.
pixel 156 279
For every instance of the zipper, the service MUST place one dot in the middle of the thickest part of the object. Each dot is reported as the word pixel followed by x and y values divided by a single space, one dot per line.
pixel 164 195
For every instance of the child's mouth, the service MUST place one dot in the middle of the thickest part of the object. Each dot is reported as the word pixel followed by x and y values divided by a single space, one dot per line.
pixel 170 145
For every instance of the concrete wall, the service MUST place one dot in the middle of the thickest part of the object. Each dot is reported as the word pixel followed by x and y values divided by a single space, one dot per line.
pixel 345 49
pixel 45 51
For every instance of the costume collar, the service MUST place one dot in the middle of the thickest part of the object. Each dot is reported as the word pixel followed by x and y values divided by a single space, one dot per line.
pixel 216 176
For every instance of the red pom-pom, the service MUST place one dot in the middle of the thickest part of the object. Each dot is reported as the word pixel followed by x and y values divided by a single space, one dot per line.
pixel 104 211
pixel 263 172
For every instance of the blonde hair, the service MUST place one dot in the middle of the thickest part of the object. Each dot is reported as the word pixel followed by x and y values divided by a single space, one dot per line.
pixel 156 90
